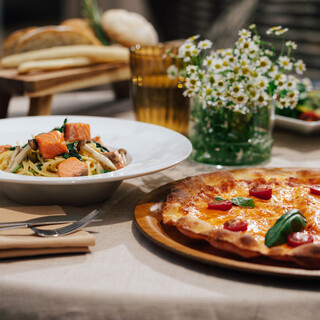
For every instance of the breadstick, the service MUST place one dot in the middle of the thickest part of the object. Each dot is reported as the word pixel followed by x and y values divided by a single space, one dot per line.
pixel 54 64
pixel 94 53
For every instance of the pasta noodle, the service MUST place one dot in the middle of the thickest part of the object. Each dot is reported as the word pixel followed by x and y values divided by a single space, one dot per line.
pixel 49 167
pixel 35 164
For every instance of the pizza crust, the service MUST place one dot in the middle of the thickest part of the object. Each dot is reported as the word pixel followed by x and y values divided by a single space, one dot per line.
pixel 240 243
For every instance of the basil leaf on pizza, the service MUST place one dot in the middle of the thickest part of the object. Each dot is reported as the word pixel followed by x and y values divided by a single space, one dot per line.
pixel 238 201
pixel 291 221
pixel 243 202
pixel 219 198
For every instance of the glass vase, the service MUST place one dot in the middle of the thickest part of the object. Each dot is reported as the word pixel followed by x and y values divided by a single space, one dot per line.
pixel 224 136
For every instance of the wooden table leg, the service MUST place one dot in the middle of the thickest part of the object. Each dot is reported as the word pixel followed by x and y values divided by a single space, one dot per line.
pixel 121 89
pixel 4 104
pixel 40 106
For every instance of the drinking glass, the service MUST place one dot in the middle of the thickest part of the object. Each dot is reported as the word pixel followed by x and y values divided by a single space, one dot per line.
pixel 157 99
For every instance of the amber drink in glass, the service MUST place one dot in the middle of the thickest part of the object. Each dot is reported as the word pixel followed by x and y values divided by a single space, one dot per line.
pixel 157 99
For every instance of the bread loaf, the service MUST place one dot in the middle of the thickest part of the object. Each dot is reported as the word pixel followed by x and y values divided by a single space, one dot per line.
pixel 46 37
pixel 79 23
pixel 128 28
pixel 11 42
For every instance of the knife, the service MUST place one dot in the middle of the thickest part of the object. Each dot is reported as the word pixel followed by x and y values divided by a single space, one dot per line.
pixel 58 219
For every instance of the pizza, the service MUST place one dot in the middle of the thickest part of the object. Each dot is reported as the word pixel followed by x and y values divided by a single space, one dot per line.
pixel 271 212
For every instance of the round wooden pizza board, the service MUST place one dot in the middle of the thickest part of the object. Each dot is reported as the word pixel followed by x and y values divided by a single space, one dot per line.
pixel 148 221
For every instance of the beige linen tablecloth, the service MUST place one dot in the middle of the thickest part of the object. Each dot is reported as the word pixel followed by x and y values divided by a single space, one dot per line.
pixel 126 276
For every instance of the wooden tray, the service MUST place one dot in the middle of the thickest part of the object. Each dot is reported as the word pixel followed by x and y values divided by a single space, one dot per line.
pixel 50 82
pixel 149 223
pixel 41 86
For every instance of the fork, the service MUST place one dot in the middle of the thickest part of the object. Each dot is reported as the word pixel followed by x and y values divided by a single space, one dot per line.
pixel 60 231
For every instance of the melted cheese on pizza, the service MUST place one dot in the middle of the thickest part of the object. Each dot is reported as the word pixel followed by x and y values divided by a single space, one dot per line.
pixel 286 195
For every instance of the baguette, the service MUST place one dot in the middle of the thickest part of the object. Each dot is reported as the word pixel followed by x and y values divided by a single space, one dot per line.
pixel 56 64
pixel 94 53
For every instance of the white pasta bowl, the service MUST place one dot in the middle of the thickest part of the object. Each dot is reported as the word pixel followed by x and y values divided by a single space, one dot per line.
pixel 149 148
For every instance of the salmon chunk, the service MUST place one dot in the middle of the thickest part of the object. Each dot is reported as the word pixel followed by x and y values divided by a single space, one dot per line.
pixel 97 139
pixel 51 144
pixel 4 148
pixel 72 167
pixel 77 131
pixel 116 158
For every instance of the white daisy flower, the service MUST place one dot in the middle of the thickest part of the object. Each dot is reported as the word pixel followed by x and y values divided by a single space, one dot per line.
pixel 187 58
pixel 256 38
pixel 249 86
pixel 253 51
pixel 231 77
pixel 219 103
pixel 240 98
pixel 205 44
pixel 262 82
pixel 282 103
pixel 273 71
pixel 220 84
pixel 281 81
pixel 228 95
pixel 273 29
pixel 236 70
pixel 208 61
pixel 285 63
pixel 195 51
pixel 300 67
pixel 217 65
pixel 185 51
pixel 172 72
pixel 291 44
pixel 293 95
pixel 236 88
pixel 225 63
pixel 193 38
pixel 291 103
pixel 262 99
pixel 281 32
pixel 225 53
pixel 244 62
pixel 193 81
pixel 253 93
pixel 186 46
pixel 218 94
pixel 254 74
pixel 228 60
pixel 245 71
pixel 189 93
pixel 268 52
pixel 191 69
pixel 291 82
pixel 208 92
pixel 307 83
pixel 246 45
pixel 244 33
pixel 264 64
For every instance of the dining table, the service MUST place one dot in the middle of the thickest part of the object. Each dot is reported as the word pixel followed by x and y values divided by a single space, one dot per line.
pixel 127 275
